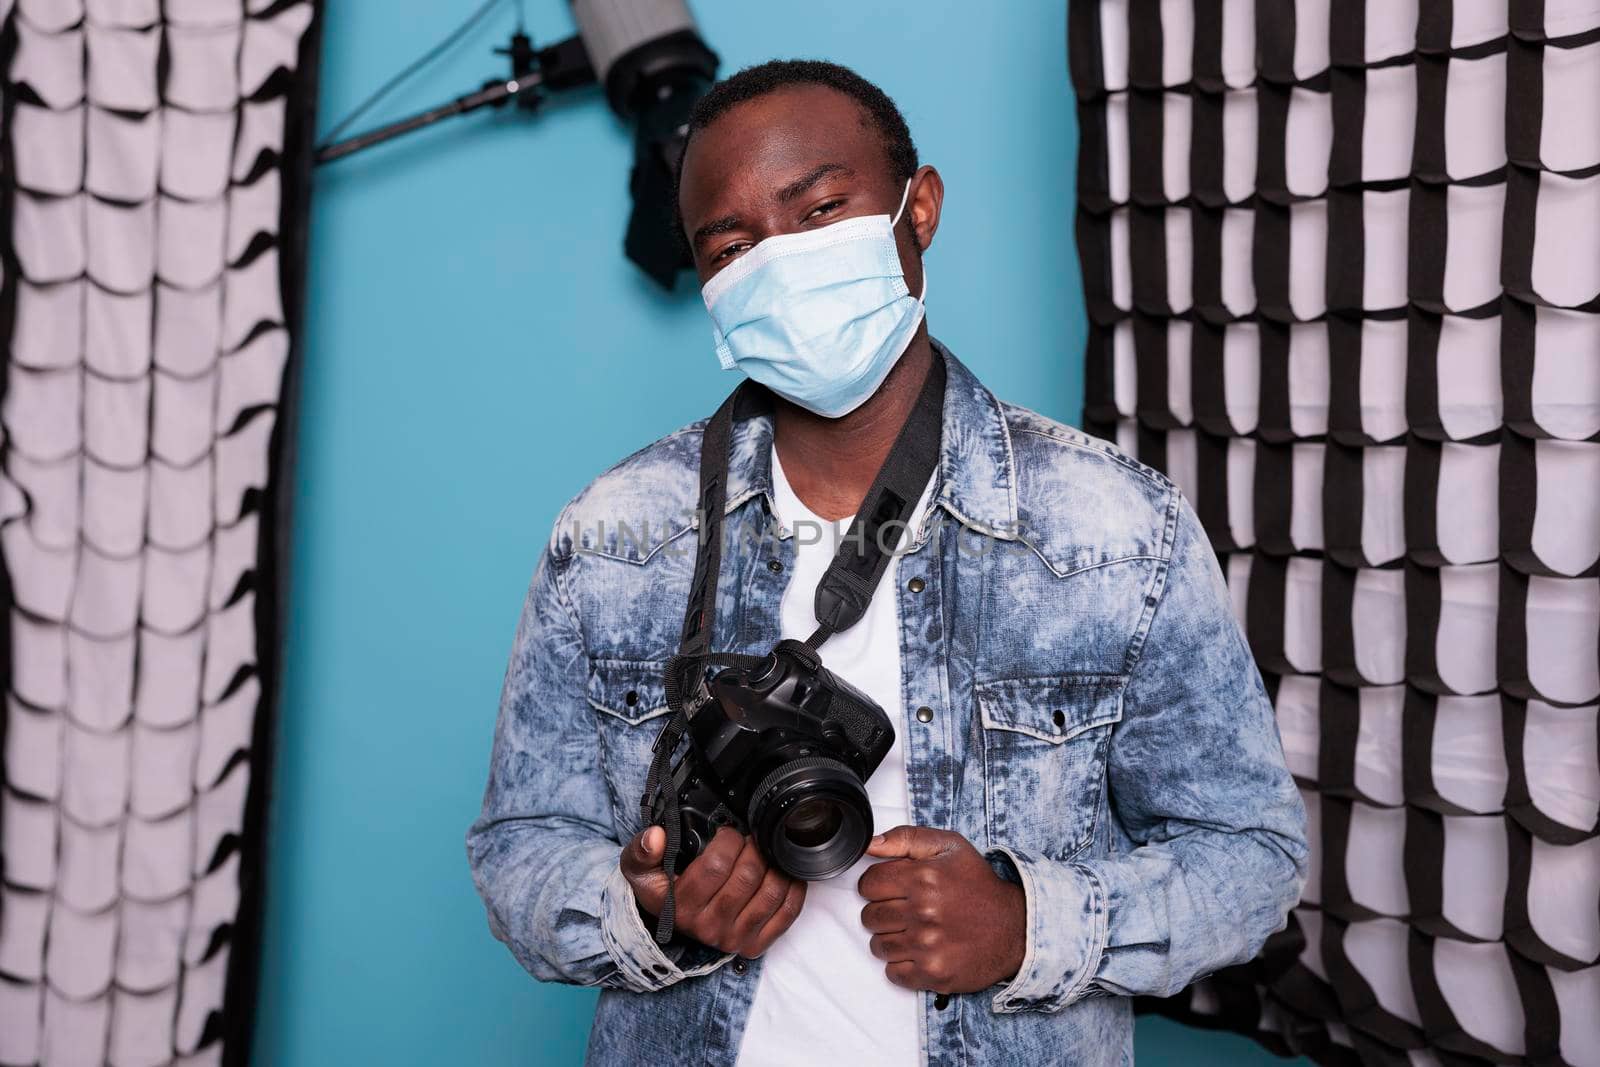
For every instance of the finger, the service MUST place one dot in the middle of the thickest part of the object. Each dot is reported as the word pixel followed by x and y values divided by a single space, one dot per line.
pixel 763 905
pixel 912 842
pixel 906 975
pixel 700 881
pixel 886 916
pixel 786 914
pixel 727 902
pixel 889 880
pixel 644 852
pixel 891 948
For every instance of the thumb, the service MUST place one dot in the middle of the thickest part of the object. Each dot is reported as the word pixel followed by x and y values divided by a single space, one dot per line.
pixel 645 851
pixel 910 842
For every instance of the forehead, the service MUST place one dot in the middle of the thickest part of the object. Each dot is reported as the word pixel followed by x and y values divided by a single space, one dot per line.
pixel 757 143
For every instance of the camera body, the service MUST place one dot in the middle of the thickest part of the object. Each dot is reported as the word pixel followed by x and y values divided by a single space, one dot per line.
pixel 781 751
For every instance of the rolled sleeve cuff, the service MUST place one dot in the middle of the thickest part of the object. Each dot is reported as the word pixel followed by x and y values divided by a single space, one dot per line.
pixel 1066 934
pixel 641 963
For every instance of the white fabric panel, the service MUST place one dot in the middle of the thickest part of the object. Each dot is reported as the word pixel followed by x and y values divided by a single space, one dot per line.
pixel 1378 950
pixel 1472 265
pixel 1308 245
pixel 1383 376
pixel 1566 373
pixel 1474 114
pixel 1378 773
pixel 1566 525
pixel 1297 720
pixel 1570 137
pixel 1469 502
pixel 1469 599
pixel 1469 371
pixel 1468 753
pixel 1563 778
pixel 1390 122
pixel 1563 621
pixel 1566 269
pixel 1241 374
pixel 1305 520
pixel 1302 613
pixel 1475 874
pixel 1308 379
pixel 1378 620
pixel 1177 122
pixel 1477 984
pixel 1308 142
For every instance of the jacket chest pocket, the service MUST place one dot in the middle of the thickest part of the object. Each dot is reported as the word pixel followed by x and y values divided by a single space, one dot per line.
pixel 630 702
pixel 1045 742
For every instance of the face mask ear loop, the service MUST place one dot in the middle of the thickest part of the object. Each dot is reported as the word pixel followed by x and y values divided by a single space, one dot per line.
pixel 901 209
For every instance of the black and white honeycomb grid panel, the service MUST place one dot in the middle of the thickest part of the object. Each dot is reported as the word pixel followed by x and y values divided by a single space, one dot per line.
pixel 142 313
pixel 1342 263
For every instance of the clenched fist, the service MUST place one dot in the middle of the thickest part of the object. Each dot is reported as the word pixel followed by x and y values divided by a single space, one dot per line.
pixel 727 898
pixel 941 919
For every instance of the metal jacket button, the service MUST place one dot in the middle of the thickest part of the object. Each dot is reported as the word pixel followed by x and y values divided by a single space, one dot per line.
pixel 942 1001
pixel 916 585
pixel 739 965
pixel 924 714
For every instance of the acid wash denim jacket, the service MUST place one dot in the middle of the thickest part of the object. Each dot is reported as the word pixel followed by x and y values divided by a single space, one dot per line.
pixel 1098 729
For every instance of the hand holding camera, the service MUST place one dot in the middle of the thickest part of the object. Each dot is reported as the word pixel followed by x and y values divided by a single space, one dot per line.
pixel 941 919
pixel 729 898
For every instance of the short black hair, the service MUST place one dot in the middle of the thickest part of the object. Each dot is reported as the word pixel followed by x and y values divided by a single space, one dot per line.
pixel 764 78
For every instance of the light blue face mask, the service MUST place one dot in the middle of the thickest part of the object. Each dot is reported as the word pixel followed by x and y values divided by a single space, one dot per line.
pixel 819 317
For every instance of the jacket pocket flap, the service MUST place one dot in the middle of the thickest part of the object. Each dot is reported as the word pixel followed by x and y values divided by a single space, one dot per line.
pixel 632 690
pixel 1053 709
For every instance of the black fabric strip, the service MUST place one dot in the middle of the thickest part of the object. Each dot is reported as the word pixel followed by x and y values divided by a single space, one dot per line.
pixel 1208 16
pixel 1083 50
pixel 1422 502
pixel 1211 462
pixel 1145 47
pixel 1094 168
pixel 1270 261
pixel 1344 368
pixel 1099 388
pixel 1275 416
pixel 1428 246
pixel 1264 613
pixel 1150 357
pixel 1207 231
pixel 1147 251
pixel 1272 125
pixel 1273 498
pixel 1422 629
pixel 1206 145
pixel 1275 34
pixel 1428 153
pixel 1422 377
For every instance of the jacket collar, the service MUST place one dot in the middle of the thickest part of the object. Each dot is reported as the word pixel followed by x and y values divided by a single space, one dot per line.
pixel 975 479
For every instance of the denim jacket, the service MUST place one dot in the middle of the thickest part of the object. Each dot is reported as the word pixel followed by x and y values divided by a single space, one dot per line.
pixel 1098 729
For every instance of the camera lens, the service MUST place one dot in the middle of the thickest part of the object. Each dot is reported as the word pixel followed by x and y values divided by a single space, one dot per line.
pixel 811 817
pixel 813 822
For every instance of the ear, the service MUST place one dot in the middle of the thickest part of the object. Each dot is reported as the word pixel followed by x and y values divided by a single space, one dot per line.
pixel 926 201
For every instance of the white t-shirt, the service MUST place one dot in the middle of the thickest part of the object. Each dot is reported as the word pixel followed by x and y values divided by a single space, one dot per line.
pixel 823 997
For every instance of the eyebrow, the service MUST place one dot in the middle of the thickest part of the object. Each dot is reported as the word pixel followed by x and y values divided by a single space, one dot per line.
pixel 716 226
pixel 799 186
pixel 788 192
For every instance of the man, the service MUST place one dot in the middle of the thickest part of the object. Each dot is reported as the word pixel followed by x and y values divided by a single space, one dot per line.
pixel 1086 798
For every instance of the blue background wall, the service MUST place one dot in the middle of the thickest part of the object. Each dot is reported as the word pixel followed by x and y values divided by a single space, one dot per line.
pixel 476 349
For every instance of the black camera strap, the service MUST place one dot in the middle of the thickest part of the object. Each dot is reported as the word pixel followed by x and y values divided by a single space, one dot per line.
pixel 842 595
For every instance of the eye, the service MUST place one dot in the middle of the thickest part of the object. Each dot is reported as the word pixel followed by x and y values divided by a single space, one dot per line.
pixel 729 251
pixel 826 208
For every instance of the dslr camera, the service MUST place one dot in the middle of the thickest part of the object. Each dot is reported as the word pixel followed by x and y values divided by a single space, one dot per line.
pixel 780 751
